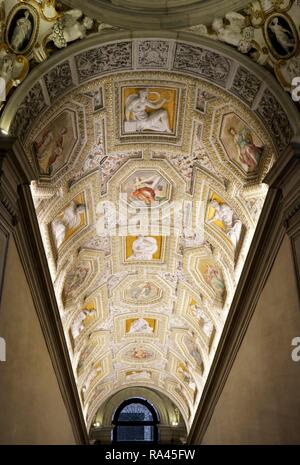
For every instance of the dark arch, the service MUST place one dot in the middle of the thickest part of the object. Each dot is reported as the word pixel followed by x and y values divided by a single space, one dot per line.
pixel 119 424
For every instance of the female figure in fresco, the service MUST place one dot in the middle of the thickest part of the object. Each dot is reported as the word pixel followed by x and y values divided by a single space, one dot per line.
pixel 212 276
pixel 49 149
pixel 22 32
pixel 250 153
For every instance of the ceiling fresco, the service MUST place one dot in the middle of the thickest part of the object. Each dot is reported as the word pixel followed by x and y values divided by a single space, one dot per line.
pixel 146 306
pixel 149 152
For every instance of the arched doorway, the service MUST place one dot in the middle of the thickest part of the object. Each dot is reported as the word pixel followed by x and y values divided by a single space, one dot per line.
pixel 135 420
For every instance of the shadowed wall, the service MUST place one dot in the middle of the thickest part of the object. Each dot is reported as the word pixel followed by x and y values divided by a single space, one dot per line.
pixel 31 405
pixel 260 403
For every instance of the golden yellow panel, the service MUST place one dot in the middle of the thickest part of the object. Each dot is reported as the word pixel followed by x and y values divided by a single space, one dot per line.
pixel 140 325
pixel 73 213
pixel 91 307
pixel 79 200
pixel 143 248
pixel 211 211
pixel 163 98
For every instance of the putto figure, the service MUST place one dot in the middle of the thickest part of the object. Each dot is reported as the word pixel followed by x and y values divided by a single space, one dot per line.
pixel 138 114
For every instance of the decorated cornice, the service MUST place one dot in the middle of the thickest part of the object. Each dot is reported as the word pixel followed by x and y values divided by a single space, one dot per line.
pixel 53 27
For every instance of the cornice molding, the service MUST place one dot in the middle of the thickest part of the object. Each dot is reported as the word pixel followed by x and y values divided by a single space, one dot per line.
pixel 281 209
pixel 133 38
pixel 141 15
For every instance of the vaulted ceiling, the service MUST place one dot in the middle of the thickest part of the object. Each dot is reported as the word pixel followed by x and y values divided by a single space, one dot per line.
pixel 146 309
pixel 146 123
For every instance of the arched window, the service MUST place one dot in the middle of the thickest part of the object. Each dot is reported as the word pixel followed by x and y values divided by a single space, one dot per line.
pixel 135 421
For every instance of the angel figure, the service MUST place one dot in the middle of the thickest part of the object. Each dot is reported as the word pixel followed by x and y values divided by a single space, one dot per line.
pixel 137 119
pixel 232 30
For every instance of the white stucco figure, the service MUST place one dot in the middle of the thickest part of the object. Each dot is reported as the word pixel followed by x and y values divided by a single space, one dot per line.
pixel 206 323
pixel 232 29
pixel 143 248
pixel 71 219
pixel 78 324
pixel 293 68
pixel 22 32
pixel 7 64
pixel 138 119
pixel 93 374
pixel 202 30
pixel 138 375
pixel 185 374
pixel 72 26
pixel 283 36
pixel 233 226
pixel 140 326
pixel 196 355
pixel 230 33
